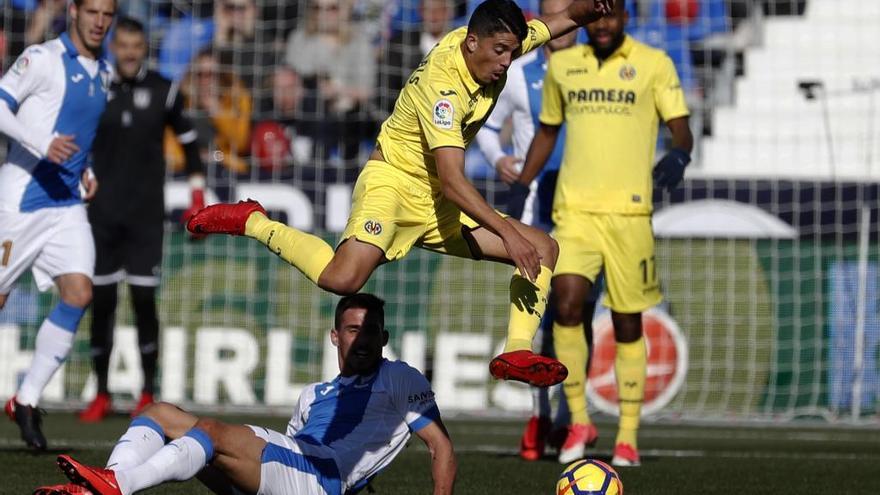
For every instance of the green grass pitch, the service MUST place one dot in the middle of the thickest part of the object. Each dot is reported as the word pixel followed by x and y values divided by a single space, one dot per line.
pixel 705 460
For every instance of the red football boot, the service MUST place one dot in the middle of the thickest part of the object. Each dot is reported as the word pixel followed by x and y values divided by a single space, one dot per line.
pixel 68 489
pixel 145 400
pixel 96 480
pixel 526 366
pixel 531 446
pixel 224 218
pixel 580 436
pixel 625 455
pixel 98 409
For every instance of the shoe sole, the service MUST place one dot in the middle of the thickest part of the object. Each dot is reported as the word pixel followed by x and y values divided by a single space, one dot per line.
pixel 568 459
pixel 70 470
pixel 536 375
pixel 51 491
pixel 621 462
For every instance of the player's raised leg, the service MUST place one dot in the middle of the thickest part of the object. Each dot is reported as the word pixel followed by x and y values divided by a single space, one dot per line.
pixel 344 271
pixel 570 342
pixel 528 301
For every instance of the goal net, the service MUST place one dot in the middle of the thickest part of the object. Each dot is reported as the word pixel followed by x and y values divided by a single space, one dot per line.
pixel 767 256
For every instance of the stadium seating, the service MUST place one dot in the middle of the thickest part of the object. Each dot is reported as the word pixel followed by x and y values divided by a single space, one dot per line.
pixel 805 106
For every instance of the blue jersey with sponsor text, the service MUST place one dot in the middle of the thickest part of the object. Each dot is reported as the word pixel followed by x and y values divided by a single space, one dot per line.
pixel 364 420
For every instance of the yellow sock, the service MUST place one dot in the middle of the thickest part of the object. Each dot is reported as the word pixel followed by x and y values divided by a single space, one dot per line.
pixel 630 365
pixel 571 350
pixel 527 304
pixel 308 253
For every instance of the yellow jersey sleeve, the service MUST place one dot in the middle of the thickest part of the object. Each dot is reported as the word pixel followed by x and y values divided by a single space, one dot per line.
pixel 668 95
pixel 552 112
pixel 538 34
pixel 440 110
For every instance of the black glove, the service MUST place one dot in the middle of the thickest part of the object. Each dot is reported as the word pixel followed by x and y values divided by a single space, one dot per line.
pixel 670 169
pixel 516 199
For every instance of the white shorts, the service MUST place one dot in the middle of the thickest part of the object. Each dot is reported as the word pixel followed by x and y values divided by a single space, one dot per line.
pixel 290 466
pixel 50 241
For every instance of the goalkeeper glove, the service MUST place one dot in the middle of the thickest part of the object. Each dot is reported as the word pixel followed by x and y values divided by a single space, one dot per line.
pixel 516 199
pixel 670 169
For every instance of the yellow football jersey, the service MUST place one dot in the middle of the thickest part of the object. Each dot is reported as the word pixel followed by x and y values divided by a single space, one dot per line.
pixel 612 114
pixel 442 105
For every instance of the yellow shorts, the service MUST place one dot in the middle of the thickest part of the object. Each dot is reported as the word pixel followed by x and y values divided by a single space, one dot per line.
pixel 394 212
pixel 622 244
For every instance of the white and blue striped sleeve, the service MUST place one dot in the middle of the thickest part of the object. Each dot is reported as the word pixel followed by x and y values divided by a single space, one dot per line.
pixel 414 398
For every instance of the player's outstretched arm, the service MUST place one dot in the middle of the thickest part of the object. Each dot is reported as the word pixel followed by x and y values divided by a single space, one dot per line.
pixel 443 463
pixel 579 13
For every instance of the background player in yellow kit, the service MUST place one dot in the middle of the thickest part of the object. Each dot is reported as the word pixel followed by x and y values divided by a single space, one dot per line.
pixel 413 191
pixel 610 94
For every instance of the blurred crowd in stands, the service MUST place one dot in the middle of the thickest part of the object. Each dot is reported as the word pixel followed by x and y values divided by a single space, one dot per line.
pixel 275 85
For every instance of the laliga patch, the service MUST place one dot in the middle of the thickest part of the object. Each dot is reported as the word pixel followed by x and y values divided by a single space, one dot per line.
pixel 21 65
pixel 443 113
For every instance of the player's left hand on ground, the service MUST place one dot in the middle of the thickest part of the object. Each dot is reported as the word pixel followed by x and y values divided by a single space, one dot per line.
pixel 197 204
pixel 669 171
pixel 90 184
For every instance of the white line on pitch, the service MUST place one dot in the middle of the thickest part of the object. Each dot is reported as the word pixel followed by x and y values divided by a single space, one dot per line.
pixel 729 454
pixel 783 435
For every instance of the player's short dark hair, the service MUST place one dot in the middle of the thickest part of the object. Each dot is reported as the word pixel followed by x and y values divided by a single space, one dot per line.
pixel 498 16
pixel 375 308
pixel 129 25
pixel 79 3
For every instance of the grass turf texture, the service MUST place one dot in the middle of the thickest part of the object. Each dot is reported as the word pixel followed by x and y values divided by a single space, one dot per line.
pixel 675 459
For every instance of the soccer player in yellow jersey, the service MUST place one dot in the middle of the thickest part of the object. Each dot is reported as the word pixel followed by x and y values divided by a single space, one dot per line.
pixel 610 94
pixel 413 191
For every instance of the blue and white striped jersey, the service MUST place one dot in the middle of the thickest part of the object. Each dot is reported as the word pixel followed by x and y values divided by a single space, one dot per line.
pixel 52 90
pixel 365 420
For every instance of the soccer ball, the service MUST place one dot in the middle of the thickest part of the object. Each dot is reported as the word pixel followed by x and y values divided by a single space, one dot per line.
pixel 589 477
